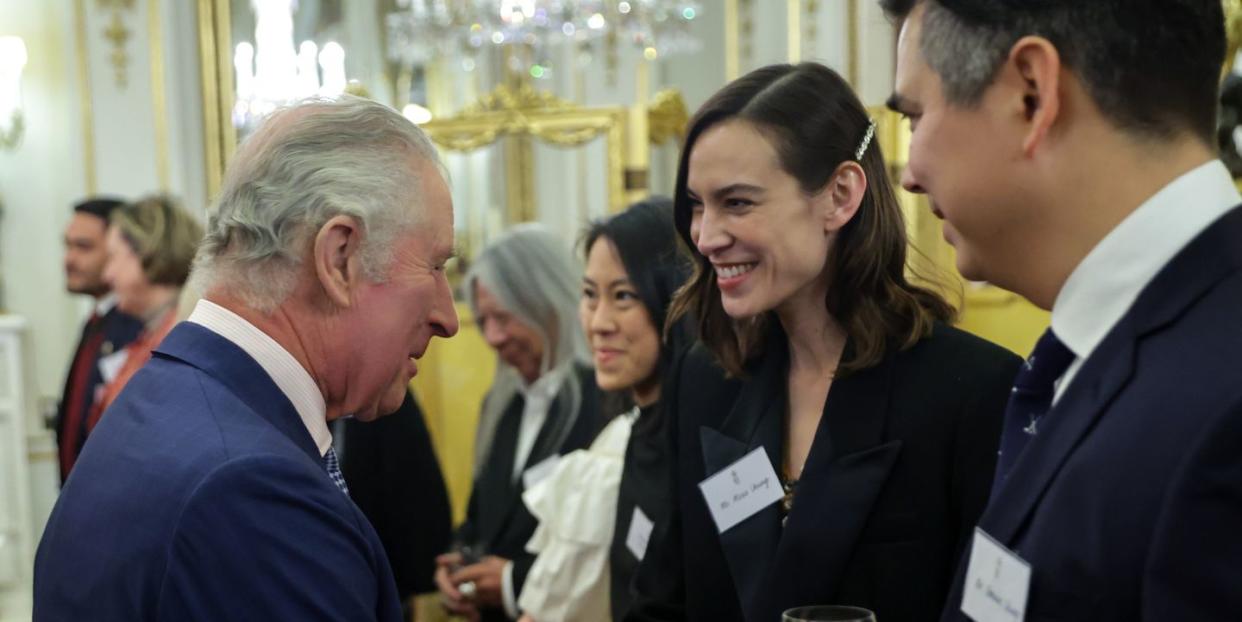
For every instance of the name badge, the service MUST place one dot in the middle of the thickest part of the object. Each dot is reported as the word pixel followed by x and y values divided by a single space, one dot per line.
pixel 997 582
pixel 640 533
pixel 110 365
pixel 741 489
pixel 539 472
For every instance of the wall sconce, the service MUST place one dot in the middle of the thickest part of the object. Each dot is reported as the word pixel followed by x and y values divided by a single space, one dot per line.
pixel 12 61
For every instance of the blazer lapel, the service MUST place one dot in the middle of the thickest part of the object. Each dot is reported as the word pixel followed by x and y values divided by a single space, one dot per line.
pixel 754 421
pixel 844 473
pixel 1102 376
pixel 225 361
pixel 1209 258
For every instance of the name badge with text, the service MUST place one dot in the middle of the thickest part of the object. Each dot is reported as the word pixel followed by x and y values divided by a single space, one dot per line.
pixel 110 365
pixel 640 533
pixel 741 489
pixel 997 582
pixel 539 472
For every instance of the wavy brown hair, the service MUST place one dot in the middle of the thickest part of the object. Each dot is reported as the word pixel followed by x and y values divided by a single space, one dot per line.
pixel 815 122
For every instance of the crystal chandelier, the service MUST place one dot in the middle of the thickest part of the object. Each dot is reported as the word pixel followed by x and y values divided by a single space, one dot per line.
pixel 271 73
pixel 425 29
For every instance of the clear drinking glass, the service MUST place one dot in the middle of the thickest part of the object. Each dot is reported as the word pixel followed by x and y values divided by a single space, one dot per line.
pixel 828 613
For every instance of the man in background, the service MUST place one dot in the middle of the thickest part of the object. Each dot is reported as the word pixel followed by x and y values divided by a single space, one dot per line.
pixel 107 330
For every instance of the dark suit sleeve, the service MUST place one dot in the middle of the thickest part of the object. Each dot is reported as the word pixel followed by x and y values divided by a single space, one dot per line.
pixel 521 568
pixel 977 440
pixel 263 538
pixel 395 479
pixel 1195 568
pixel 658 588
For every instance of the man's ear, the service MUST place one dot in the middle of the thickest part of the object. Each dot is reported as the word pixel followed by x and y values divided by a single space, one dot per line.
pixel 843 195
pixel 335 258
pixel 1036 67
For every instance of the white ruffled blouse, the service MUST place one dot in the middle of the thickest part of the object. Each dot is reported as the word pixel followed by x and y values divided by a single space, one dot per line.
pixel 577 509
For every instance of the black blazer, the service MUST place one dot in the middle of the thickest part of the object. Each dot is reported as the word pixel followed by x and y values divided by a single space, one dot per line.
pixel 1127 505
pixel 497 521
pixel 393 476
pixel 897 474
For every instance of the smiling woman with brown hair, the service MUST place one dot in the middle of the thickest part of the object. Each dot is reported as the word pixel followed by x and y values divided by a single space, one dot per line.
pixel 822 368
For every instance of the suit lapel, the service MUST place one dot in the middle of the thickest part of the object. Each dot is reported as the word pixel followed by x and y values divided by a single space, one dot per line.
pixel 754 421
pixel 1209 258
pixel 498 492
pixel 1102 376
pixel 844 473
pixel 225 361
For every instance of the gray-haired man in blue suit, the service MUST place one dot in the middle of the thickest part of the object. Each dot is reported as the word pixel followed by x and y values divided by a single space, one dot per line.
pixel 210 490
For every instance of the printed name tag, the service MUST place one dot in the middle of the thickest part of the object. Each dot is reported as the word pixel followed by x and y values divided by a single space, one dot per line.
pixel 640 533
pixel 539 472
pixel 741 489
pixel 997 581
pixel 110 366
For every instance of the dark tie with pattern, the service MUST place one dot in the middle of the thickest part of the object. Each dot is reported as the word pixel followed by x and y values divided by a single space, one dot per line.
pixel 1033 390
pixel 334 470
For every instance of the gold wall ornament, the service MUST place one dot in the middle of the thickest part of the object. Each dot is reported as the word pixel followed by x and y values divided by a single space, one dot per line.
pixel 522 112
pixel 746 34
pixel 118 34
pixel 667 117
pixel 1233 32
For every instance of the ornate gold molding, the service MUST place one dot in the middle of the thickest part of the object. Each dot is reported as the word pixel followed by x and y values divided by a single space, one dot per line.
pixel 216 70
pixel 732 58
pixel 118 34
pixel 521 111
pixel 793 31
pixel 159 105
pixel 1233 31
pixel 853 48
pixel 667 117
pixel 84 95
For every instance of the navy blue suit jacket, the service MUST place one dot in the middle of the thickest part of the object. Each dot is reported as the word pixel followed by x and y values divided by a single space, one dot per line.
pixel 1128 503
pixel 201 496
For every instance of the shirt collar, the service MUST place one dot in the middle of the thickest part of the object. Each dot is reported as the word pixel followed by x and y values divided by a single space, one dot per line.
pixel 105 304
pixel 290 377
pixel 544 386
pixel 1110 278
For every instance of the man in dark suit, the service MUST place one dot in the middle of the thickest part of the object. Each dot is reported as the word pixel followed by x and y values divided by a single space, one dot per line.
pixel 211 490
pixel 107 330
pixel 1069 148
pixel 393 476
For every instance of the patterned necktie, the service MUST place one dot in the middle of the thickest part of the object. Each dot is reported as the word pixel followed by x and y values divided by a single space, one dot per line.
pixel 334 470
pixel 1031 398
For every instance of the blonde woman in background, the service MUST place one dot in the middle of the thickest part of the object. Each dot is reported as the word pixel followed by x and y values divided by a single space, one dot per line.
pixel 151 245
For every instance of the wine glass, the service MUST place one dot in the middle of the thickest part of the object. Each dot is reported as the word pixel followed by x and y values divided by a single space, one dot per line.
pixel 828 613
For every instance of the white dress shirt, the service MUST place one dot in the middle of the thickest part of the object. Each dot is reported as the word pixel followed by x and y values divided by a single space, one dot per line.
pixel 1107 282
pixel 290 377
pixel 538 397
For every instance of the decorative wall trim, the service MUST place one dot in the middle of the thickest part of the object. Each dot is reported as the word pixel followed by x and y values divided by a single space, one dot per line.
pixel 84 96
pixel 158 94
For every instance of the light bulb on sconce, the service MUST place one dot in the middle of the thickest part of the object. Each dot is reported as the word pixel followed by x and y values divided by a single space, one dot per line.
pixel 12 61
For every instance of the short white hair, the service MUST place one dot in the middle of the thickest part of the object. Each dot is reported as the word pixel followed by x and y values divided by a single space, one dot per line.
pixel 306 164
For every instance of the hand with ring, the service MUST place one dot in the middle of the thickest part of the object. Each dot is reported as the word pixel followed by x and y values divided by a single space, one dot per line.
pixel 452 594
pixel 468 589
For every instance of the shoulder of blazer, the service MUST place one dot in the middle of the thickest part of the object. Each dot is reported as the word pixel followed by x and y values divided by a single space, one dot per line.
pixel 703 389
pixel 953 354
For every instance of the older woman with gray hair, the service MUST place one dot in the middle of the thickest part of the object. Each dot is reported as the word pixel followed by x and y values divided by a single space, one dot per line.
pixel 523 290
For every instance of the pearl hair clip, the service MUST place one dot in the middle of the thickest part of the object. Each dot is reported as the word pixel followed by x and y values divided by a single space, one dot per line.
pixel 866 141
